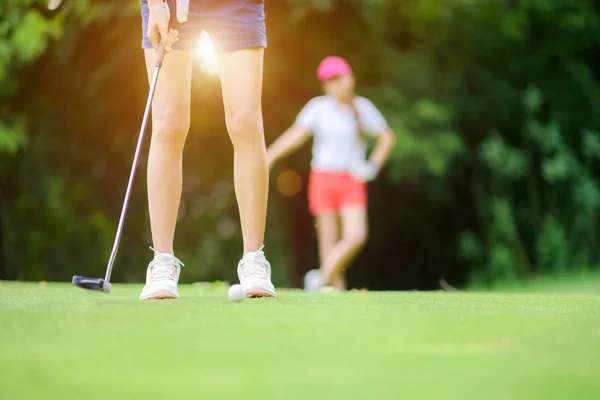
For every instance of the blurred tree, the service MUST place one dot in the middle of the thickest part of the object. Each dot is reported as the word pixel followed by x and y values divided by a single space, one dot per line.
pixel 495 105
pixel 24 35
pixel 450 77
pixel 51 221
pixel 549 194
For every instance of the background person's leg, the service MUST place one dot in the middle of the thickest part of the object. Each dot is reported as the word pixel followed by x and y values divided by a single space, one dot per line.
pixel 170 125
pixel 327 225
pixel 339 281
pixel 241 81
pixel 354 236
pixel 327 236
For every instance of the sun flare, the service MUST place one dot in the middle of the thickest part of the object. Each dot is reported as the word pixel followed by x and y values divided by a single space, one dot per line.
pixel 208 55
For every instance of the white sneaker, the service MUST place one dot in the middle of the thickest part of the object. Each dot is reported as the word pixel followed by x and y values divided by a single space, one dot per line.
pixel 162 276
pixel 313 281
pixel 254 272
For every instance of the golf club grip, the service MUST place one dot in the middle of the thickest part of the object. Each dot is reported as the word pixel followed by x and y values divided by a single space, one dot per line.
pixel 160 55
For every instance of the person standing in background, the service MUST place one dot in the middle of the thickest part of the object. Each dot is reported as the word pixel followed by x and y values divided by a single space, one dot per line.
pixel 340 123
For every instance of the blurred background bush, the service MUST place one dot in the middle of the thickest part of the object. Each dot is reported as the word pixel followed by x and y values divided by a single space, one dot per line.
pixel 496 106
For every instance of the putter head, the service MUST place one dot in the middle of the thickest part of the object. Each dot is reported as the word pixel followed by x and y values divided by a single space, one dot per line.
pixel 92 283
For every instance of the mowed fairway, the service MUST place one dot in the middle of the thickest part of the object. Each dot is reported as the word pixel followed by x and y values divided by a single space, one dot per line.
pixel 61 342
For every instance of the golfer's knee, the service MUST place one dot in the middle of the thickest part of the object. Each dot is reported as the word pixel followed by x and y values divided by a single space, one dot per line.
pixel 170 130
pixel 245 128
pixel 357 240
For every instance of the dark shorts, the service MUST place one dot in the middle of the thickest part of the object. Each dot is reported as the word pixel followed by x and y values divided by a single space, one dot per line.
pixel 231 24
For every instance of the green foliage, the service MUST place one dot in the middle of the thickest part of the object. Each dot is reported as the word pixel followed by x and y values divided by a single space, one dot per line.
pixel 506 162
pixel 51 220
pixel 552 245
pixel 559 209
pixel 24 35
pixel 494 104
pixel 12 136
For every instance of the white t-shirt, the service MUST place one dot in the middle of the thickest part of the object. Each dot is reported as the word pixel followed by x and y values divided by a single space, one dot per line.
pixel 336 144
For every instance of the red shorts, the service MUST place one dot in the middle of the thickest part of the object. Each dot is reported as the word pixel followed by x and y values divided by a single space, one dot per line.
pixel 332 191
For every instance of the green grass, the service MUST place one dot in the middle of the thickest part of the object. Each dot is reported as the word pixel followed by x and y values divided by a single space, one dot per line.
pixel 60 342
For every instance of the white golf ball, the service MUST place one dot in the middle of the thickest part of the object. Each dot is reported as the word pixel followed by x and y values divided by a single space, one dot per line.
pixel 236 293
pixel 313 281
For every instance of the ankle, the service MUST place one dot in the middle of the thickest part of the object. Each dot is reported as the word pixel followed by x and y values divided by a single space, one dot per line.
pixel 253 248
pixel 164 250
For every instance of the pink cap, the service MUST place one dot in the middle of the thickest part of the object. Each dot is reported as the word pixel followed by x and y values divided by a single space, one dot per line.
pixel 333 66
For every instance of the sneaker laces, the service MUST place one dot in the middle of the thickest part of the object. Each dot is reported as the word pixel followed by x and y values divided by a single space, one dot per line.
pixel 163 266
pixel 255 265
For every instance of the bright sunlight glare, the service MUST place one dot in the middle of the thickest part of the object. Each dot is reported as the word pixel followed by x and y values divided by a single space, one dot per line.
pixel 207 54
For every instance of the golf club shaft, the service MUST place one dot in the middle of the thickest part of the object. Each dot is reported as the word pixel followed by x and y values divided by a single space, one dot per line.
pixel 159 60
